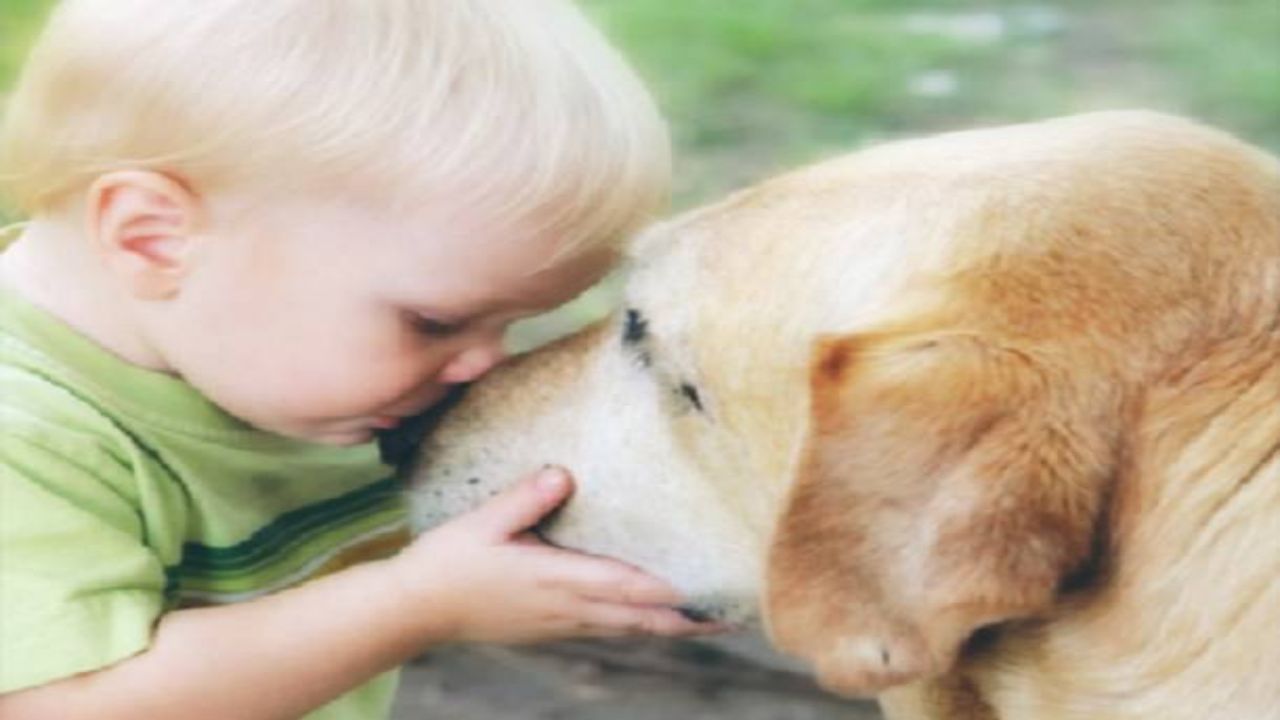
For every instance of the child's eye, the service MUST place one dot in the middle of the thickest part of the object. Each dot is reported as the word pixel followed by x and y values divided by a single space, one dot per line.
pixel 433 327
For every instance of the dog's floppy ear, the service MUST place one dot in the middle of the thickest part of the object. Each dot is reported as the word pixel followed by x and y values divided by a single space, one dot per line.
pixel 949 482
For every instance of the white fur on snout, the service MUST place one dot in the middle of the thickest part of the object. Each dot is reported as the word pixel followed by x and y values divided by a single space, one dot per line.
pixel 637 498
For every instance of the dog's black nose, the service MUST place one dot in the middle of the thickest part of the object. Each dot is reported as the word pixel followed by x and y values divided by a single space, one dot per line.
pixel 398 447
pixel 694 614
pixel 701 612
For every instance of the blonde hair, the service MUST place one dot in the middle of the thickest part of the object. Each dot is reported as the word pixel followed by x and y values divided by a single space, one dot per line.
pixel 520 105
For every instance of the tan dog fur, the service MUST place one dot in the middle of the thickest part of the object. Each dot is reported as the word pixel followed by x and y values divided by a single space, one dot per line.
pixel 1025 378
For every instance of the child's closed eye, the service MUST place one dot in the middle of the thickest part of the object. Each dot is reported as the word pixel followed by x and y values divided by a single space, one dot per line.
pixel 434 327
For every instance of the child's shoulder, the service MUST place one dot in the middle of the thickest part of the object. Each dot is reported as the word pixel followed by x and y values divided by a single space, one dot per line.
pixel 37 396
pixel 61 390
pixel 46 422
pixel 56 433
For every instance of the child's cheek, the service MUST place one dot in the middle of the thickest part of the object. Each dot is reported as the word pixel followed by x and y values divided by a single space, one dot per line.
pixel 399 388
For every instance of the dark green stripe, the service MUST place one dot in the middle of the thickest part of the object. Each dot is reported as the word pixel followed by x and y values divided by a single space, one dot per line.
pixel 284 539
pixel 284 530
pixel 317 535
pixel 287 565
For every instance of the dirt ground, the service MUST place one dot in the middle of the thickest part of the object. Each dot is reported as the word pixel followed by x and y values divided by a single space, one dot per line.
pixel 633 680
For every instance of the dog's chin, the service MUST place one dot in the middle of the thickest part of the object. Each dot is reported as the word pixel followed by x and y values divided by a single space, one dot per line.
pixel 737 612
pixel 706 605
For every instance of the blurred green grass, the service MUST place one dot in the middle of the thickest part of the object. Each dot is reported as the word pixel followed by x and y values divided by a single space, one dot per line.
pixel 19 21
pixel 754 86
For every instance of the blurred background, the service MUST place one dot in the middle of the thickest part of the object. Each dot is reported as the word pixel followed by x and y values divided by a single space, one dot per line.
pixel 755 86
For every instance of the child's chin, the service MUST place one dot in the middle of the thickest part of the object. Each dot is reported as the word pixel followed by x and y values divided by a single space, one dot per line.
pixel 345 438
pixel 338 437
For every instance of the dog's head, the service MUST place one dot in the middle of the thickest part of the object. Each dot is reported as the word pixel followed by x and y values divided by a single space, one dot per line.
pixel 885 399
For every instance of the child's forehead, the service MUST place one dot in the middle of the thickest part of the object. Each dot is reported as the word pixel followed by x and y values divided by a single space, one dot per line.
pixel 537 245
pixel 560 277
pixel 460 250
pixel 508 265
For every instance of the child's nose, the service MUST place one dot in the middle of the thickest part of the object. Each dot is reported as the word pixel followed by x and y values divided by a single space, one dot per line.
pixel 472 363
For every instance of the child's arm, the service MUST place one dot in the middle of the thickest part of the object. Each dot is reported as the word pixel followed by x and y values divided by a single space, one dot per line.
pixel 477 579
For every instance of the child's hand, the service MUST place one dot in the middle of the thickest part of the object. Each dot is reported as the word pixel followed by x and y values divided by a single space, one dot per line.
pixel 485 578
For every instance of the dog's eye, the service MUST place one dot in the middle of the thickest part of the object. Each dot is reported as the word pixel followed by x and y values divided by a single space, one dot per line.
pixel 691 394
pixel 634 328
pixel 634 331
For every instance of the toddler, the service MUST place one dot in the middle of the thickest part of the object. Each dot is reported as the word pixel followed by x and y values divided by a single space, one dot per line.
pixel 261 231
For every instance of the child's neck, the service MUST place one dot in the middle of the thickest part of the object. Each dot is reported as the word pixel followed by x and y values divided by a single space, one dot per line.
pixel 51 266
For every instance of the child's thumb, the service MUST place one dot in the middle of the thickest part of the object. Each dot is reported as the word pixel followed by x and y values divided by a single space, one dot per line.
pixel 522 505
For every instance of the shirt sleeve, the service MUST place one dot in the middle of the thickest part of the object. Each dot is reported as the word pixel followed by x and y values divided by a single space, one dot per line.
pixel 79 588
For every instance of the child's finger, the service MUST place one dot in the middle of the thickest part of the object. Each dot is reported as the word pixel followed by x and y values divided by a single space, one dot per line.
pixel 611 619
pixel 522 505
pixel 613 582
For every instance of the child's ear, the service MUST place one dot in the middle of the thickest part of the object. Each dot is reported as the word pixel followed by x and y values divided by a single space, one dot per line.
pixel 143 224
pixel 949 482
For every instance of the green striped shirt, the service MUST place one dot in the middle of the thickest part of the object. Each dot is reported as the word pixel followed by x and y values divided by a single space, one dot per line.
pixel 125 494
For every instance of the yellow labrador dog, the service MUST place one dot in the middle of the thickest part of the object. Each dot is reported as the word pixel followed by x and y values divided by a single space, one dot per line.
pixel 985 424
